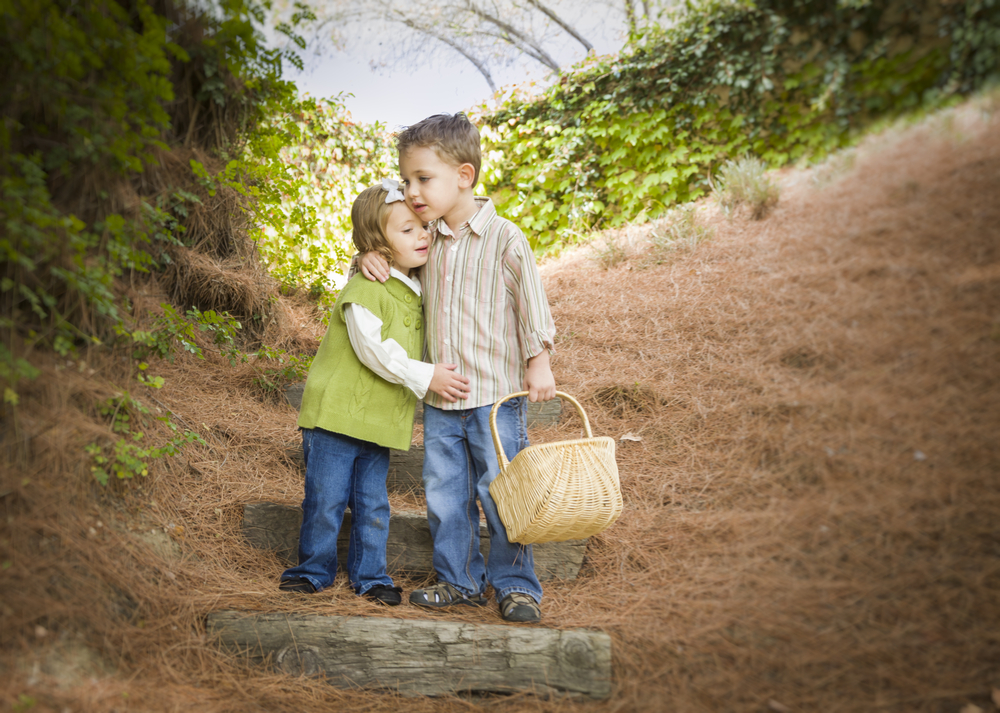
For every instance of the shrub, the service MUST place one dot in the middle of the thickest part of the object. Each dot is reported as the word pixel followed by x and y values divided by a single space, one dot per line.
pixel 680 231
pixel 744 181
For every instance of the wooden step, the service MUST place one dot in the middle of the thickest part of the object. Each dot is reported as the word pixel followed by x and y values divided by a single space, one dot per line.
pixel 419 657
pixel 410 550
pixel 542 413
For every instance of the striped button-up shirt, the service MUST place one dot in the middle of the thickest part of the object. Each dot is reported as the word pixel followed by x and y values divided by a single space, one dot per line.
pixel 485 306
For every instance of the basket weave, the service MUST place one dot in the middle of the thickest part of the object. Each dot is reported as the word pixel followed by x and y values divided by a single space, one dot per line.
pixel 551 492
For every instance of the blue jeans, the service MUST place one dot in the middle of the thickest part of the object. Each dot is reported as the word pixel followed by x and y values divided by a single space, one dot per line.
pixel 343 472
pixel 460 462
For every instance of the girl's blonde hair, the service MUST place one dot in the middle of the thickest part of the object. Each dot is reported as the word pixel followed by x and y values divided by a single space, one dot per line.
pixel 370 216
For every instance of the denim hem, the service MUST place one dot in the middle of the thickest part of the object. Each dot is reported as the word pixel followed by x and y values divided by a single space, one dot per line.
pixel 296 575
pixel 502 594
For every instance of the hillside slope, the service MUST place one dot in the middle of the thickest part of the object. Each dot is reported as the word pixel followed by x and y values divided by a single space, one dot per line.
pixel 809 518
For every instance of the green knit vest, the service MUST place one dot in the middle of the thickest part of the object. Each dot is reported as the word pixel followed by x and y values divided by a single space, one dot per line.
pixel 344 396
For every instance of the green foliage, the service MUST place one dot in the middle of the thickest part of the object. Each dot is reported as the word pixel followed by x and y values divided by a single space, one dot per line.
pixel 277 368
pixel 680 231
pixel 12 370
pixel 744 181
pixel 332 160
pixel 88 93
pixel 622 138
pixel 127 456
pixel 174 328
pixel 612 252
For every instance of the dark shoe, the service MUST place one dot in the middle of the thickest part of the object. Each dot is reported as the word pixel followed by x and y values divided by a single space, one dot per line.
pixel 390 596
pixel 521 608
pixel 297 584
pixel 443 595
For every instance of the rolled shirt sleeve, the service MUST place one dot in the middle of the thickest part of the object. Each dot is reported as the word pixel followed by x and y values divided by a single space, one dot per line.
pixel 535 327
pixel 386 358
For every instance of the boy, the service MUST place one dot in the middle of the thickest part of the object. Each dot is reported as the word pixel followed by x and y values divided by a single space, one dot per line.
pixel 486 311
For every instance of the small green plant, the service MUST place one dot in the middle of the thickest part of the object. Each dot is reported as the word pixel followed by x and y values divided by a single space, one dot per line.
pixel 12 370
pixel 174 327
pixel 744 181
pixel 290 368
pixel 682 231
pixel 24 703
pixel 127 457
pixel 612 252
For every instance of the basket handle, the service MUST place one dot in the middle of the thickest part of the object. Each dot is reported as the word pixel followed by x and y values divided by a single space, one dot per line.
pixel 501 456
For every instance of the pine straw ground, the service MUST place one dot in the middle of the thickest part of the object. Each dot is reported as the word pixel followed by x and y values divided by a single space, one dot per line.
pixel 810 515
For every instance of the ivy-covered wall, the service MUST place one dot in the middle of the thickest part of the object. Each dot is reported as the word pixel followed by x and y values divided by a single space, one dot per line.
pixel 624 137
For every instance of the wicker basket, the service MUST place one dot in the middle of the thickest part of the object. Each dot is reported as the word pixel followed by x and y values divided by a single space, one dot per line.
pixel 551 492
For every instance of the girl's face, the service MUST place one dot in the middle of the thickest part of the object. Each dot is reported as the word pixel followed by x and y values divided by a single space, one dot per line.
pixel 407 237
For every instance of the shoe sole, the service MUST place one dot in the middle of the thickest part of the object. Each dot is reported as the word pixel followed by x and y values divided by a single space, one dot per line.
pixel 298 588
pixel 447 605
pixel 384 602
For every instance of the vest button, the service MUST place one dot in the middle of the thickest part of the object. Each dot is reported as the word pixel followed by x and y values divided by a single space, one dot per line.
pixel 408 297
pixel 406 321
pixel 420 325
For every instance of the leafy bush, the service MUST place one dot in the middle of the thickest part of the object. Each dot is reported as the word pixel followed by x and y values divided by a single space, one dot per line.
pixel 623 138
pixel 744 181
pixel 681 231
pixel 332 160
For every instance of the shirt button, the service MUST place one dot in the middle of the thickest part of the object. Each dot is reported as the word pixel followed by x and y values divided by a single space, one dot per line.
pixel 454 248
pixel 448 278
pixel 447 310
pixel 406 321
pixel 447 342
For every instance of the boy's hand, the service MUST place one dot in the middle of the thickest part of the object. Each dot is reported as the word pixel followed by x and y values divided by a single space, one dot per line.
pixel 538 381
pixel 449 385
pixel 374 266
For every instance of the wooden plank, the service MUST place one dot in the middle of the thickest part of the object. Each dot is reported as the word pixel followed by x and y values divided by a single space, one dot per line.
pixel 420 657
pixel 410 549
pixel 545 413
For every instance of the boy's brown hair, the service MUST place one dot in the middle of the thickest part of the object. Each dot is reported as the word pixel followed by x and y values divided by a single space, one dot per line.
pixel 454 138
pixel 369 216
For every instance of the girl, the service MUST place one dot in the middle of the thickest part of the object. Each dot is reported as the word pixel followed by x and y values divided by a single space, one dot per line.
pixel 359 401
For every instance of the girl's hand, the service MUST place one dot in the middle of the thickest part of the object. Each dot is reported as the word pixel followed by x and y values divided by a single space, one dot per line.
pixel 539 381
pixel 374 266
pixel 449 385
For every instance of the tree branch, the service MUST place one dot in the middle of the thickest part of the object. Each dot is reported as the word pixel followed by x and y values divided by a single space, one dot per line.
pixel 542 55
pixel 562 23
pixel 454 45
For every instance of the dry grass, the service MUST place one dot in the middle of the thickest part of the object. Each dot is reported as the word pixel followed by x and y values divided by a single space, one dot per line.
pixel 809 517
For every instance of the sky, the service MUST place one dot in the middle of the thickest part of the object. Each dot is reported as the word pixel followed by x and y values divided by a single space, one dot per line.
pixel 403 95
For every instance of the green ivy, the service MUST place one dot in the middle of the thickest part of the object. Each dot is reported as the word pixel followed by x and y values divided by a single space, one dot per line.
pixel 623 138
pixel 332 160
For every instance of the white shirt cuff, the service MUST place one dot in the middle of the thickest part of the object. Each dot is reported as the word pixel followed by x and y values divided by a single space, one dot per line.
pixel 386 358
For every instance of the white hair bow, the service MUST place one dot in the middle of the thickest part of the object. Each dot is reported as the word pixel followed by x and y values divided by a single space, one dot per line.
pixel 391 186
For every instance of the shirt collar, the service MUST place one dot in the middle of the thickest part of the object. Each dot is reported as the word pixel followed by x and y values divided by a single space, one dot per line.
pixel 478 223
pixel 413 282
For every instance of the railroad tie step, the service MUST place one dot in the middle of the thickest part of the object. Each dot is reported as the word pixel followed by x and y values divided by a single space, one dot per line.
pixel 410 550
pixel 421 657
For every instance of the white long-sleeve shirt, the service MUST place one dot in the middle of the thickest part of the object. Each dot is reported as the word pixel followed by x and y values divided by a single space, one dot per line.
pixel 386 358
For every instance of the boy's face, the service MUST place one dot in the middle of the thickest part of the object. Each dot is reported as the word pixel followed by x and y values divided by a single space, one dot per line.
pixel 433 187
